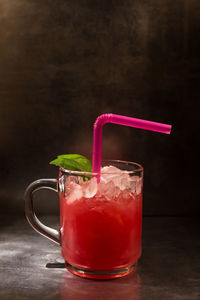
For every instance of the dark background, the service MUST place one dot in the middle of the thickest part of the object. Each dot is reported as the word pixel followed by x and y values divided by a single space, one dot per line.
pixel 63 63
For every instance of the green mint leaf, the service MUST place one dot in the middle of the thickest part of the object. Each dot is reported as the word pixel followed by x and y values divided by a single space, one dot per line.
pixel 73 162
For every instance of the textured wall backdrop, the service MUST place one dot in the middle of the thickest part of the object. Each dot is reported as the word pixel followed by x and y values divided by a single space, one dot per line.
pixel 63 63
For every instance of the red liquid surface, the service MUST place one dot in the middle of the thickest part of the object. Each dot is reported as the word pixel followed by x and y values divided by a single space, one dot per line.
pixel 101 234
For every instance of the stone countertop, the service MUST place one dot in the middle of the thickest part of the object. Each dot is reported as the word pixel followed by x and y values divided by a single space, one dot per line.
pixel 168 269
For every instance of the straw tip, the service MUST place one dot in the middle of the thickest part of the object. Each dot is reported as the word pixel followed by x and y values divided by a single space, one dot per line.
pixel 169 129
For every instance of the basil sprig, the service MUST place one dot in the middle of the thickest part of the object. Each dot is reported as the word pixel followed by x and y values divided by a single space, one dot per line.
pixel 73 162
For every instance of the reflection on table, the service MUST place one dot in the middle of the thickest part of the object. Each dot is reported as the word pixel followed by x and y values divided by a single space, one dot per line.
pixel 126 288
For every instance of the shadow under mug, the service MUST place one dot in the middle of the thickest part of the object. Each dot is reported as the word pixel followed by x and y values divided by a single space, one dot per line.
pixel 100 223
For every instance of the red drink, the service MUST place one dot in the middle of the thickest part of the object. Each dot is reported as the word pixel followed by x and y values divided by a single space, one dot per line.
pixel 103 232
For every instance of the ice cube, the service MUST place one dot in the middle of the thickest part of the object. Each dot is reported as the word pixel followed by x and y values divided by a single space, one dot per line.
pixel 139 186
pixel 109 173
pixel 119 177
pixel 127 195
pixel 89 188
pixel 109 190
pixel 70 184
pixel 101 188
pixel 74 193
pixel 72 178
pixel 124 181
pixel 110 170
pixel 136 184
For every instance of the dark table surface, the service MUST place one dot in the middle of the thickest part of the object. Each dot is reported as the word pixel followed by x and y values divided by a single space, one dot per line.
pixel 168 269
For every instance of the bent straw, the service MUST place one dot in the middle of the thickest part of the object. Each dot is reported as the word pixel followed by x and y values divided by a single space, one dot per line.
pixel 121 120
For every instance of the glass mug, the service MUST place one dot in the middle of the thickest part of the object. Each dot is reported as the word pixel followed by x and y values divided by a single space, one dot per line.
pixel 100 223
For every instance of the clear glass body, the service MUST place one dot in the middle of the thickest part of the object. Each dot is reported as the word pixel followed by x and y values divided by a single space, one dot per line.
pixel 101 233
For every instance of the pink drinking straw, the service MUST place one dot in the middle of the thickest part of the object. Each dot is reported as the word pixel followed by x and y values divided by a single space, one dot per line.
pixel 121 120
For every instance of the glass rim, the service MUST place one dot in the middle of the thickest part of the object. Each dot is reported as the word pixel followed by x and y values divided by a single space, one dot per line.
pixel 139 168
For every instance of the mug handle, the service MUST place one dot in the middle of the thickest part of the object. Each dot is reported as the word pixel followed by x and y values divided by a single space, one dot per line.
pixel 44 230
